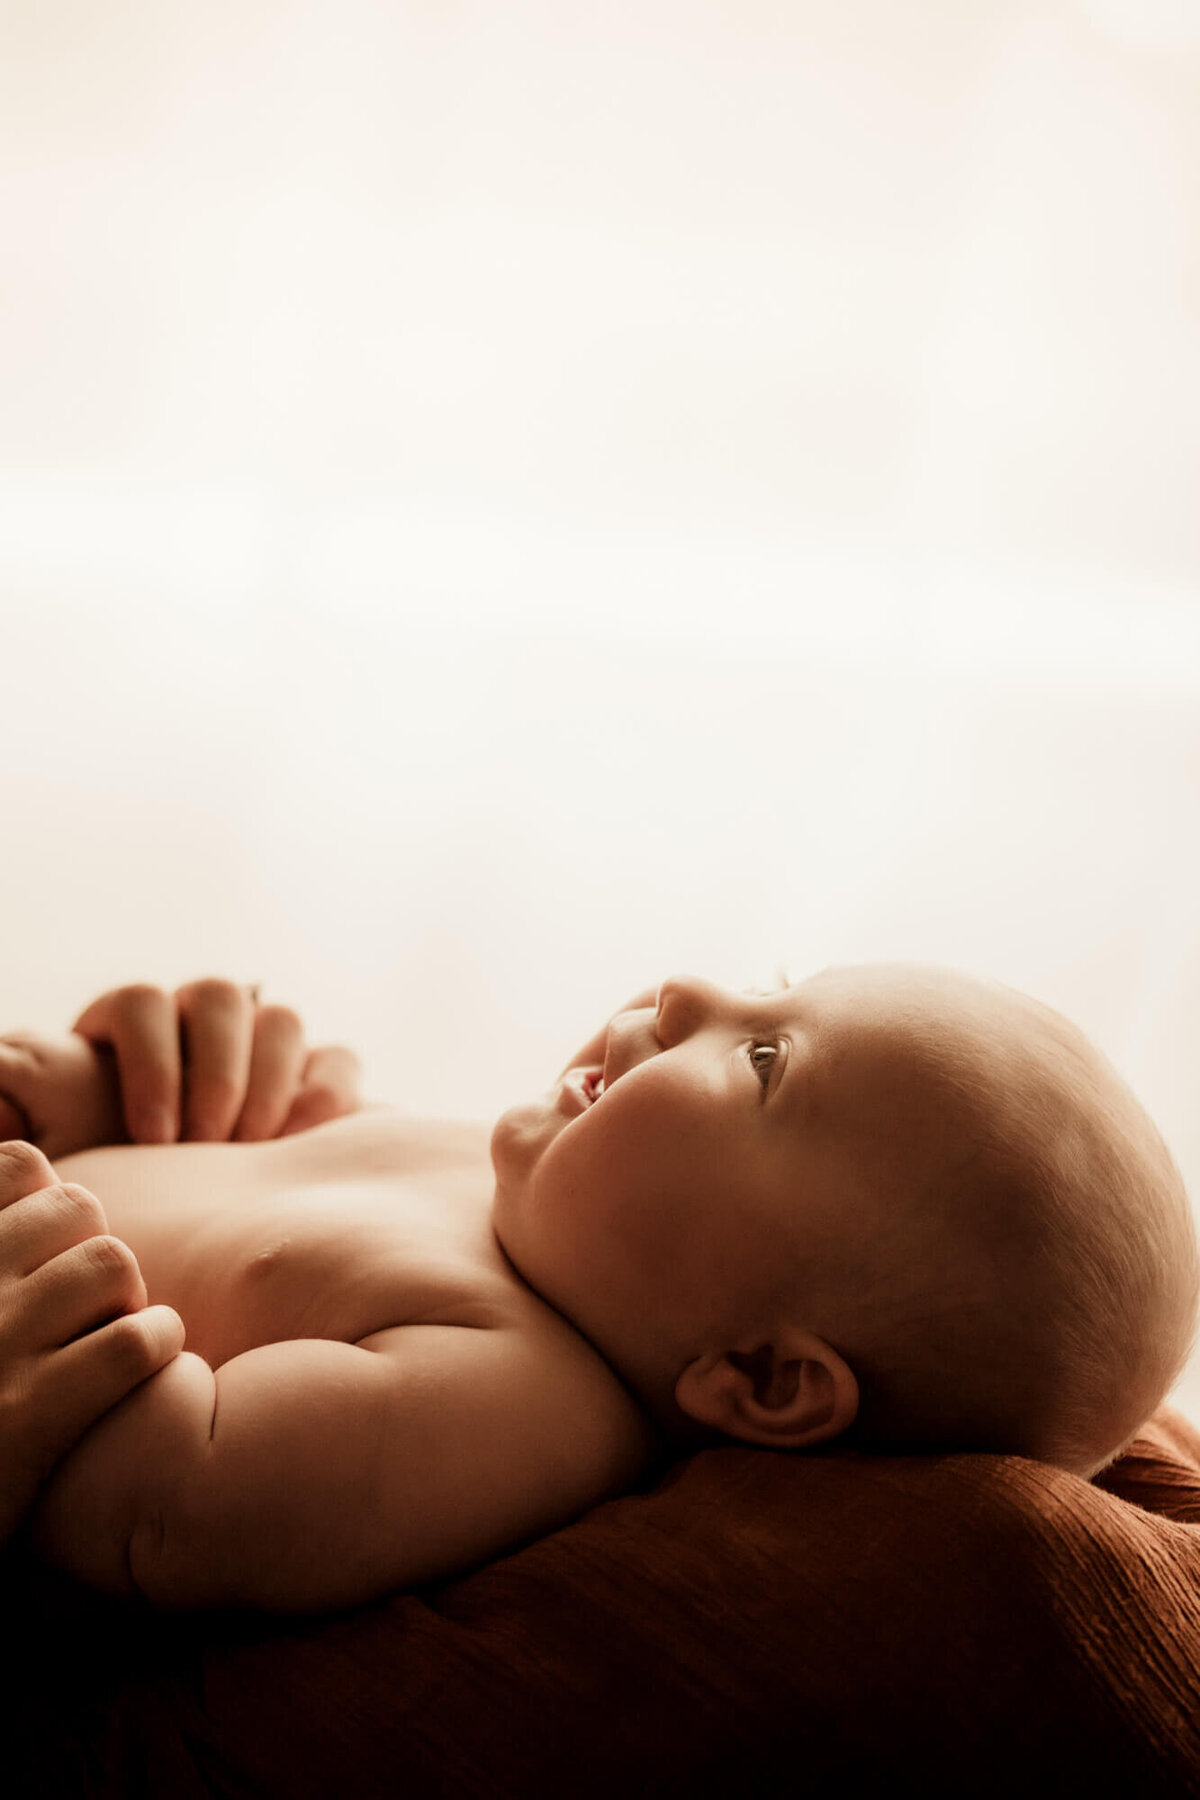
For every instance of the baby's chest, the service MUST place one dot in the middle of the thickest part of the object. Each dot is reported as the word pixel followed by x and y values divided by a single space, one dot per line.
pixel 255 1244
pixel 341 1268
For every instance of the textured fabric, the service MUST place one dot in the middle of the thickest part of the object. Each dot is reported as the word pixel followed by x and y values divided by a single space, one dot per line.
pixel 773 1624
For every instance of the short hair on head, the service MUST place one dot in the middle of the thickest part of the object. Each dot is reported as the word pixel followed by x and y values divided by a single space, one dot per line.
pixel 1039 1295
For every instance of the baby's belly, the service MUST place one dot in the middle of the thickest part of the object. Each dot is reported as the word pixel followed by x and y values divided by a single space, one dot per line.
pixel 340 1232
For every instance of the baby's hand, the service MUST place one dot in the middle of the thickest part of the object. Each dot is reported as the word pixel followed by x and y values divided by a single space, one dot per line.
pixel 76 1334
pixel 58 1093
pixel 235 1069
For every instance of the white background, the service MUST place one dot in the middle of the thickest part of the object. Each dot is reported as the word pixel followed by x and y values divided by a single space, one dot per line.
pixel 500 503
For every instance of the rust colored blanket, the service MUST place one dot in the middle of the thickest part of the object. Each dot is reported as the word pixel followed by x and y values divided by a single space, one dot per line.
pixel 752 1623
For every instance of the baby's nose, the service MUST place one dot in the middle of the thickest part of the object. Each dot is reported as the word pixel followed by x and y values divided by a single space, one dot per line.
pixel 685 1002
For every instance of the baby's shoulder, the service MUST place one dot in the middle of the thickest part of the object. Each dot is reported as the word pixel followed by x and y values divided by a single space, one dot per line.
pixel 522 1413
pixel 523 1329
pixel 385 1131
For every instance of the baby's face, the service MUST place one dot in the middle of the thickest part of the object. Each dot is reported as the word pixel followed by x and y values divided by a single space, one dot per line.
pixel 734 1133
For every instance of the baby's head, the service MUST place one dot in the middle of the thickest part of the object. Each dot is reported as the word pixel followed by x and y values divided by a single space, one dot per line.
pixel 891 1203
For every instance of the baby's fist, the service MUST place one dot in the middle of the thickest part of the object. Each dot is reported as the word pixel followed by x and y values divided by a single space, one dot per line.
pixel 209 1063
pixel 76 1333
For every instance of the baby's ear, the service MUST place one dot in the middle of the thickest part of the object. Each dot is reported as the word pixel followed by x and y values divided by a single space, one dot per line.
pixel 789 1393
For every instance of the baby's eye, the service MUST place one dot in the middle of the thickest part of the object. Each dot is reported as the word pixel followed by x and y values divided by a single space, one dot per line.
pixel 763 1068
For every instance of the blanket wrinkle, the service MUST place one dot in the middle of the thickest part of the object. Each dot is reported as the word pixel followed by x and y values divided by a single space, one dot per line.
pixel 941 1624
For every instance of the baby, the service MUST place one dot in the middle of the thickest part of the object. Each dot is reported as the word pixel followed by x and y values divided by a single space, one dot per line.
pixel 890 1206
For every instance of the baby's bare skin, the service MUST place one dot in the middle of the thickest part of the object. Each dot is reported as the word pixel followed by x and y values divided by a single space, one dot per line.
pixel 367 1223
pixel 377 1356
pixel 412 1347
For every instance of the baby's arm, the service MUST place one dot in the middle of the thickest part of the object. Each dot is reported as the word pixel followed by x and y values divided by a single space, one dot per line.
pixel 312 1474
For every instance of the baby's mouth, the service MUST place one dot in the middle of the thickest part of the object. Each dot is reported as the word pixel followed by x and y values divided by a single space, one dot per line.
pixel 593 1085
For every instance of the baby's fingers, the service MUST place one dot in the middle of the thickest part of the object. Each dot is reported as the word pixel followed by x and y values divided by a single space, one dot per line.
pixel 140 1023
pixel 332 1087
pixel 277 1066
pixel 80 1289
pixel 76 1385
pixel 217 1022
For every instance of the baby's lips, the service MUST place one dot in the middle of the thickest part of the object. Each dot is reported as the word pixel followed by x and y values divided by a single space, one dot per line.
pixel 573 1096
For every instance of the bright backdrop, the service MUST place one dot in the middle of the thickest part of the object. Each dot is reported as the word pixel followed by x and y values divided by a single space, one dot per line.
pixel 499 503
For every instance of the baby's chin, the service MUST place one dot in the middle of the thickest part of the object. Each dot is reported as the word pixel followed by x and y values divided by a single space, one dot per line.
pixel 519 1136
